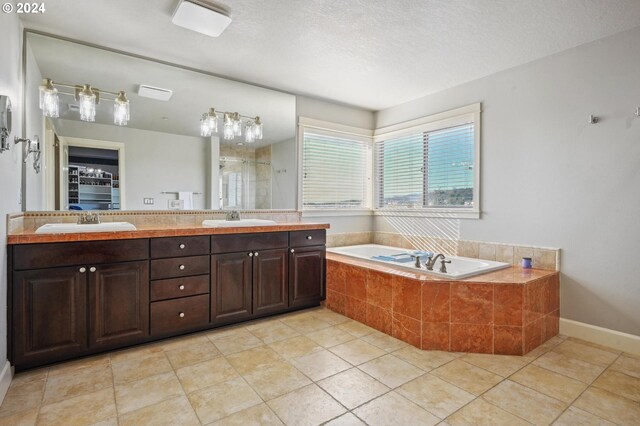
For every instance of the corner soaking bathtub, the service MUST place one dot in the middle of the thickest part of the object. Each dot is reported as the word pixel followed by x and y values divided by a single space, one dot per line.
pixel 460 267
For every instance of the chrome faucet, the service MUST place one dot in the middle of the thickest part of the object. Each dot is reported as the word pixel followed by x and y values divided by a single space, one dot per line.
pixel 431 260
pixel 89 218
pixel 233 215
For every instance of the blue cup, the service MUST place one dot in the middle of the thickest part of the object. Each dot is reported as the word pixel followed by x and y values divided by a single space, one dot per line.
pixel 527 263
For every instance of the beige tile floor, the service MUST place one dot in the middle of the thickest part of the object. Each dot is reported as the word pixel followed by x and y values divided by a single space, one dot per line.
pixel 318 367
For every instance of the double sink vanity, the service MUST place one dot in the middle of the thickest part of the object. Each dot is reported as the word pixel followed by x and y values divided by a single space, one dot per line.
pixel 74 294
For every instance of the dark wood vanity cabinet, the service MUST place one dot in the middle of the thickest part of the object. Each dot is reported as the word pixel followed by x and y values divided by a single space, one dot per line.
pixel 119 304
pixel 49 309
pixel 79 298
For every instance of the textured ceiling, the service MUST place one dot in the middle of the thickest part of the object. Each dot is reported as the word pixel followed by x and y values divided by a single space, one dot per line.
pixel 369 53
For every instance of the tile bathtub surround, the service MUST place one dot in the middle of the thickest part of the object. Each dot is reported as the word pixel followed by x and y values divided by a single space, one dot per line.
pixel 30 221
pixel 543 257
pixel 491 316
pixel 317 366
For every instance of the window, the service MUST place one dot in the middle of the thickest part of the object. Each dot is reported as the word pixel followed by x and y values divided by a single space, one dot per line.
pixel 431 166
pixel 335 171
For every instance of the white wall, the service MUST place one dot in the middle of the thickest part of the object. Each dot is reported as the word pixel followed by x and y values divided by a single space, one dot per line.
pixel 10 161
pixel 283 175
pixel 350 116
pixel 550 179
pixel 154 162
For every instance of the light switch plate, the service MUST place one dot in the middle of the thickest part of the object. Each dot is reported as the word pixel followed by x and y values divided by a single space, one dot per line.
pixel 147 200
pixel 176 204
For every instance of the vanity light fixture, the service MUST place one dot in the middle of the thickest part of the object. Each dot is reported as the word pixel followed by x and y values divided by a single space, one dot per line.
pixel 232 125
pixel 87 96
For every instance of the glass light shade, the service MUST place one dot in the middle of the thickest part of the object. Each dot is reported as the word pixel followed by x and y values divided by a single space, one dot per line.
pixel 120 113
pixel 249 136
pixel 87 100
pixel 49 102
pixel 257 129
pixel 205 129
pixel 228 130
pixel 237 124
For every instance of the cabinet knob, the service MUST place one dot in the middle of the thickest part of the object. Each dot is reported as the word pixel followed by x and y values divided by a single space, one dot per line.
pixel 309 237
pixel 82 270
pixel 250 254
pixel 181 267
pixel 182 246
pixel 181 287
pixel 255 254
pixel 181 314
pixel 293 251
pixel 92 269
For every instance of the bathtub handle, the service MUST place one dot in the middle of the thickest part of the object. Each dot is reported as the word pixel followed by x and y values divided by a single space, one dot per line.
pixel 443 267
pixel 417 258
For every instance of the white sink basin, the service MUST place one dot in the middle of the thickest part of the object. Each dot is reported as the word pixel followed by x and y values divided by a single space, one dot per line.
pixel 237 223
pixel 63 228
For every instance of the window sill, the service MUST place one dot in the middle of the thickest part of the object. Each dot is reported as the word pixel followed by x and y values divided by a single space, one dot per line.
pixel 337 212
pixel 429 213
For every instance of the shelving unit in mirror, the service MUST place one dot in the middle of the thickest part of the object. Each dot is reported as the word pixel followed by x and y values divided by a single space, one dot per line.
pixel 90 189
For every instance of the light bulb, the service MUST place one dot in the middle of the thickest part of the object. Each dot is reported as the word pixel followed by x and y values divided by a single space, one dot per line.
pixel 121 110
pixel 87 99
pixel 49 99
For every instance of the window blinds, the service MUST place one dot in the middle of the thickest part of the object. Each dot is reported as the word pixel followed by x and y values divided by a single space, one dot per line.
pixel 334 172
pixel 427 170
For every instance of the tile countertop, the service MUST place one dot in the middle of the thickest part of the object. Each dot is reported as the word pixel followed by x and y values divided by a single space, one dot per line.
pixel 156 231
pixel 510 275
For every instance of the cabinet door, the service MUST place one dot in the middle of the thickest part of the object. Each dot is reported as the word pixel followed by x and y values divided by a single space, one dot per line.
pixel 270 284
pixel 119 304
pixel 230 287
pixel 306 276
pixel 50 313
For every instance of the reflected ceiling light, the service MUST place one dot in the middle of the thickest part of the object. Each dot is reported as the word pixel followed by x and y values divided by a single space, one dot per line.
pixel 232 124
pixel 200 16
pixel 87 96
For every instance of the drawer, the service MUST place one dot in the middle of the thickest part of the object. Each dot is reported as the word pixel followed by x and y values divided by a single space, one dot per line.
pixel 179 246
pixel 179 287
pixel 315 237
pixel 177 315
pixel 179 267
pixel 36 256
pixel 249 242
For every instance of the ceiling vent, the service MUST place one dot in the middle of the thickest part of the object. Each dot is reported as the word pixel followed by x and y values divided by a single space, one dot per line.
pixel 154 92
pixel 202 17
pixel 74 107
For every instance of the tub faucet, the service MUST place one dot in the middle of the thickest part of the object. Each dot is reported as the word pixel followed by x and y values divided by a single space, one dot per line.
pixel 89 218
pixel 417 258
pixel 431 260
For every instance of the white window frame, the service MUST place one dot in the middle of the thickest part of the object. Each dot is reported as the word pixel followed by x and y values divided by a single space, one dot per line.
pixel 311 125
pixel 451 118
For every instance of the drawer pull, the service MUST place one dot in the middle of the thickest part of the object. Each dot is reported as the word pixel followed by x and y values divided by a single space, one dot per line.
pixel 309 237
pixel 250 254
pixel 82 270
pixel 181 287
pixel 181 314
pixel 181 246
pixel 255 254
pixel 293 251
pixel 181 267
pixel 92 269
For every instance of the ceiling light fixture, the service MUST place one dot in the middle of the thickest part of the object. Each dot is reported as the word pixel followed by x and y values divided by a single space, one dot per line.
pixel 232 124
pixel 87 96
pixel 200 16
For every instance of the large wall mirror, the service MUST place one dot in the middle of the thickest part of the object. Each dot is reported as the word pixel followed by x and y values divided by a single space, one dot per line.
pixel 99 156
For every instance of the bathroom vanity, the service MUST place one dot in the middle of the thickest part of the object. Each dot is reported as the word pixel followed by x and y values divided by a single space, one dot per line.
pixel 109 290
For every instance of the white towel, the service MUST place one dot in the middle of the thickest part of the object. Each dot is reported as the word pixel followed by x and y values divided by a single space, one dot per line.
pixel 187 198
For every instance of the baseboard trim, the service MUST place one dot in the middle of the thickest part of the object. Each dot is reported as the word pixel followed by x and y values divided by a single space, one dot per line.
pixel 5 380
pixel 603 336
